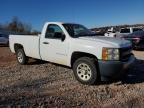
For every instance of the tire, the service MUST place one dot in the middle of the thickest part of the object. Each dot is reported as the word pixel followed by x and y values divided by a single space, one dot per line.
pixel 21 57
pixel 85 70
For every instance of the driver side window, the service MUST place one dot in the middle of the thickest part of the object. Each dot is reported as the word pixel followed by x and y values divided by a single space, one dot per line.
pixel 54 32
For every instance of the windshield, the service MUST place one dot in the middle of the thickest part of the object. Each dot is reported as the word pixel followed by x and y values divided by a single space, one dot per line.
pixel 77 30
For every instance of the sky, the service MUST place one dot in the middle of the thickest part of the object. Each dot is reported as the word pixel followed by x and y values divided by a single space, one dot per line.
pixel 91 13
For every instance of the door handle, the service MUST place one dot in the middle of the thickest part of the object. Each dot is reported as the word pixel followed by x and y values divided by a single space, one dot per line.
pixel 45 43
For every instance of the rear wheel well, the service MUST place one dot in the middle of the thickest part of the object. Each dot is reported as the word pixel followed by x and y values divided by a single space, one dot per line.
pixel 77 55
pixel 17 46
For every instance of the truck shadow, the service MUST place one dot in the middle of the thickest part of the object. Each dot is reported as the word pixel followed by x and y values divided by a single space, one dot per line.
pixel 135 74
pixel 36 62
pixel 139 49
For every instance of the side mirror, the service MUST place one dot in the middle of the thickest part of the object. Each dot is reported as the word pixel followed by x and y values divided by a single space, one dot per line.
pixel 63 37
pixel 59 35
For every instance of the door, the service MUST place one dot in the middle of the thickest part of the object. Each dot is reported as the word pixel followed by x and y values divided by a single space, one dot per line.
pixel 54 47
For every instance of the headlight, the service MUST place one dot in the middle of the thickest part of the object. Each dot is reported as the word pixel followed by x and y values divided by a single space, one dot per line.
pixel 110 54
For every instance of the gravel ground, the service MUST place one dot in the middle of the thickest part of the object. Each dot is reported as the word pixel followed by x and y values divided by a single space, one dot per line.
pixel 42 84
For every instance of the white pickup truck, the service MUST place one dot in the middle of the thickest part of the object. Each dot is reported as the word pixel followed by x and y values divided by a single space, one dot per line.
pixel 92 58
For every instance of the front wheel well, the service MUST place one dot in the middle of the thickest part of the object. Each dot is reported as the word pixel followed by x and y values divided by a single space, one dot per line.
pixel 77 55
pixel 17 46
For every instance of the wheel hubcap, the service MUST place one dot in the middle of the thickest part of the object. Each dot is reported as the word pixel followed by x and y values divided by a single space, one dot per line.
pixel 84 71
pixel 20 57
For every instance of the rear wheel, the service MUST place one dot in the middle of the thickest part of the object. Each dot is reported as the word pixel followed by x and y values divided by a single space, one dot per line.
pixel 85 70
pixel 21 57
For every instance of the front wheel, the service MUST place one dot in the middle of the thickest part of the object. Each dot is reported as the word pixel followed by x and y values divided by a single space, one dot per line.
pixel 21 57
pixel 85 70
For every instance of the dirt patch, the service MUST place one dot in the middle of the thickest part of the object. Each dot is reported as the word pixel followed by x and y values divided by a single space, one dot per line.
pixel 6 57
pixel 42 84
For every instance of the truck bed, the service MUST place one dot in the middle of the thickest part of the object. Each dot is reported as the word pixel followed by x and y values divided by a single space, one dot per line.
pixel 30 44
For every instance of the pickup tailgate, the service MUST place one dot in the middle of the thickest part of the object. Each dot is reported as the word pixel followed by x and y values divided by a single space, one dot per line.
pixel 30 44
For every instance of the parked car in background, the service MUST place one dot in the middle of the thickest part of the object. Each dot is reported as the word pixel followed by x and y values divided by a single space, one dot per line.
pixel 4 39
pixel 110 33
pixel 137 39
pixel 127 31
pixel 123 32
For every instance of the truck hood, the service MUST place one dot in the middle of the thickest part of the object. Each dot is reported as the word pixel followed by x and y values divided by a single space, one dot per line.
pixel 115 42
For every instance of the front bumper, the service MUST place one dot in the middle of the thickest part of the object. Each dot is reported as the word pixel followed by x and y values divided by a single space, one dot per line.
pixel 111 70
